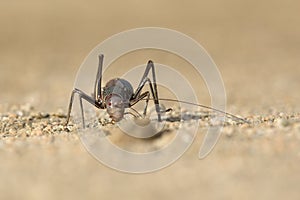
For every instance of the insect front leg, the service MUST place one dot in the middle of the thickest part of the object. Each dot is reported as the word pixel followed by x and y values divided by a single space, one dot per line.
pixel 84 96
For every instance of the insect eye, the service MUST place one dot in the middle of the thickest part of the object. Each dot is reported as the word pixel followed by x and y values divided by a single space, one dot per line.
pixel 114 101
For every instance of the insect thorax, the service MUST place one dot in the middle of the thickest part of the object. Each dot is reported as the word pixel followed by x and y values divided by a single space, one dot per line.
pixel 120 87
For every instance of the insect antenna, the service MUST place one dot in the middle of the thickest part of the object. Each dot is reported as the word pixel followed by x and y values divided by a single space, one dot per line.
pixel 207 107
pixel 130 113
pixel 137 114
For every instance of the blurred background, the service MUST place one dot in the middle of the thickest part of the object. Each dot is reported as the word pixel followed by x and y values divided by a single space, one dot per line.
pixel 255 44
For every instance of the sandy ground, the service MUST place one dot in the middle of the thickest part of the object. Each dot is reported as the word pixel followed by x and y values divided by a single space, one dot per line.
pixel 255 45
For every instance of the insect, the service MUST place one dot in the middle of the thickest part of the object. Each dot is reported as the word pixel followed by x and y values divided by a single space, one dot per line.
pixel 118 94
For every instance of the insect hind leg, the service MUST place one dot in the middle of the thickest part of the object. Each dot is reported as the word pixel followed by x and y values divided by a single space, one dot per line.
pixel 153 87
pixel 141 97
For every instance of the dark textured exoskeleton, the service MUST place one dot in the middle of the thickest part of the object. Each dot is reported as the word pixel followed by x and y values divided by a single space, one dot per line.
pixel 118 94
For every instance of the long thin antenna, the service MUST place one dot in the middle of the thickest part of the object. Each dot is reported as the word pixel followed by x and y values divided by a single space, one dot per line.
pixel 136 112
pixel 207 107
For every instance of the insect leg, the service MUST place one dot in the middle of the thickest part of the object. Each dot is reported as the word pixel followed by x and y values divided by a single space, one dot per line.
pixel 82 113
pixel 147 101
pixel 84 96
pixel 97 87
pixel 140 97
pixel 137 99
pixel 153 88
pixel 70 107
